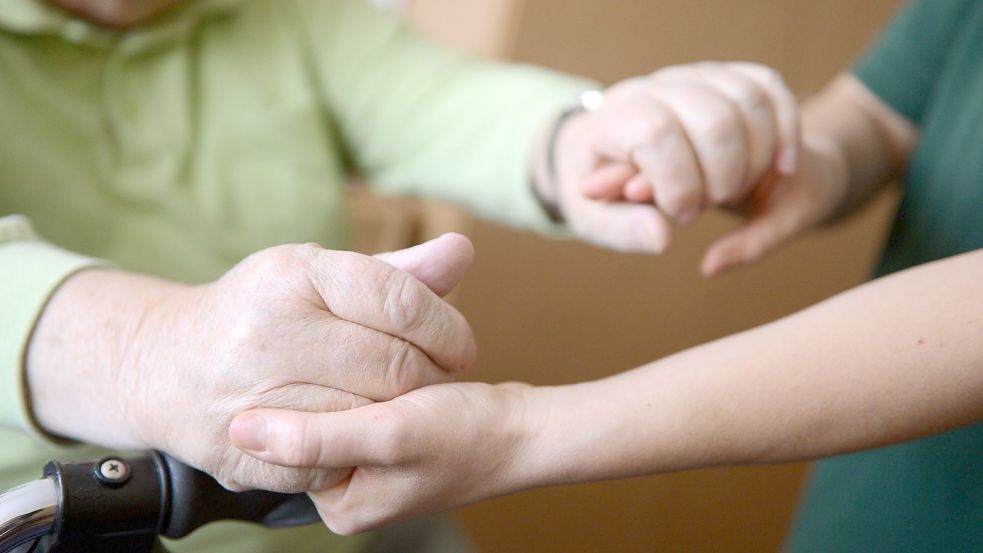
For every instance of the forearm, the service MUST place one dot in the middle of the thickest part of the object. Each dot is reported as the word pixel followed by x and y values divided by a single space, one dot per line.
pixel 896 359
pixel 83 348
pixel 864 142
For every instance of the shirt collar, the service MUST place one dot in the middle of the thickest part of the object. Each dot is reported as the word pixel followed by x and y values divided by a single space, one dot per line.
pixel 37 17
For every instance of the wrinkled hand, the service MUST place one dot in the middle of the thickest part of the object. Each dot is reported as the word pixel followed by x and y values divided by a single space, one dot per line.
pixel 670 145
pixel 295 327
pixel 427 451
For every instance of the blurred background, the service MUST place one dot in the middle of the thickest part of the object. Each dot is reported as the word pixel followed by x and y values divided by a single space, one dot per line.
pixel 550 312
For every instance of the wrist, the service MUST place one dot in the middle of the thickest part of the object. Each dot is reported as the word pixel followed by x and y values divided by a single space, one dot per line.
pixel 831 169
pixel 538 420
pixel 78 352
pixel 547 175
pixel 545 183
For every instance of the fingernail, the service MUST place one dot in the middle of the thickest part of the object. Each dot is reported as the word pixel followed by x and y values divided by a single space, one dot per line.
pixel 249 432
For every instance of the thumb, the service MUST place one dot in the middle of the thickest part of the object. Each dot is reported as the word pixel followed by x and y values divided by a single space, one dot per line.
pixel 744 246
pixel 762 234
pixel 780 208
pixel 309 440
pixel 439 263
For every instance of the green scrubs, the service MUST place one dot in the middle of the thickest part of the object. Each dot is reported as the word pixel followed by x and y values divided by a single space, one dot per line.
pixel 925 495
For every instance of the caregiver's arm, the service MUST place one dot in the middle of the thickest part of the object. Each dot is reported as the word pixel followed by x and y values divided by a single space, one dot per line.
pixel 893 360
pixel 712 154
pixel 853 143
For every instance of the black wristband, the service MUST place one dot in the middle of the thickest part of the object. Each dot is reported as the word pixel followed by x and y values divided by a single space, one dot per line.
pixel 552 209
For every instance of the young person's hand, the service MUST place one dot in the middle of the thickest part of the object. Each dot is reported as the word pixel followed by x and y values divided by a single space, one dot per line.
pixel 427 451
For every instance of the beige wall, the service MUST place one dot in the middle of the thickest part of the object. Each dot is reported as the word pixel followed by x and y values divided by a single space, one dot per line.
pixel 551 312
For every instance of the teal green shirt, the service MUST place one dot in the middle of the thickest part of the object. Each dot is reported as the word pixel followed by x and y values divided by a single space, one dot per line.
pixel 925 495
pixel 227 126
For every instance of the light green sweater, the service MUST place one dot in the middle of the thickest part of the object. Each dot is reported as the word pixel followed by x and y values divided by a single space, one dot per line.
pixel 225 127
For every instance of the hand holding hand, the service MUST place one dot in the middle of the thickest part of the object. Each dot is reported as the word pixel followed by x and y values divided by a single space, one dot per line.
pixel 294 327
pixel 667 146
pixel 433 449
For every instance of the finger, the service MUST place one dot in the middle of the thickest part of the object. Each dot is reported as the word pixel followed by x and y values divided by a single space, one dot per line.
pixel 786 113
pixel 608 181
pixel 639 189
pixel 372 293
pixel 648 134
pixel 762 234
pixel 439 263
pixel 371 364
pixel 623 227
pixel 313 440
pixel 716 131
pixel 671 166
pixel 754 105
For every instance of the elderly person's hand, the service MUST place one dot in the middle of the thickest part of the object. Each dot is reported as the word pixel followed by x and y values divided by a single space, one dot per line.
pixel 667 146
pixel 129 361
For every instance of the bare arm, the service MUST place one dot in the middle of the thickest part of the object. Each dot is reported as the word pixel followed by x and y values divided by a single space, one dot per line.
pixel 893 360
pixel 866 138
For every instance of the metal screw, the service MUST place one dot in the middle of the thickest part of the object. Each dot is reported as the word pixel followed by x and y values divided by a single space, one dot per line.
pixel 113 471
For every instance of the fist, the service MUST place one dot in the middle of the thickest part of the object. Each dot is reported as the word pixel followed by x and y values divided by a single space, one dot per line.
pixel 295 327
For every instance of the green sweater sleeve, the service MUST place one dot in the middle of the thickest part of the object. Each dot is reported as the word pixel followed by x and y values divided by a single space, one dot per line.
pixel 31 271
pixel 903 67
pixel 415 118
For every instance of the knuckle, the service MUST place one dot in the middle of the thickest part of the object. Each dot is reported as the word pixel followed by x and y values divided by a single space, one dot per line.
pixel 750 98
pixel 772 76
pixel 405 301
pixel 277 260
pixel 309 453
pixel 718 127
pixel 677 199
pixel 675 72
pixel 272 272
pixel 391 441
pixel 656 126
pixel 401 369
pixel 297 445
pixel 767 74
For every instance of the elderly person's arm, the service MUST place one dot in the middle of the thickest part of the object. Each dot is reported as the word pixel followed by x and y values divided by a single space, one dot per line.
pixel 419 119
pixel 120 359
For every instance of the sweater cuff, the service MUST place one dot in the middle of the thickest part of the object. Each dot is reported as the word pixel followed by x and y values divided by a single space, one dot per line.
pixel 31 272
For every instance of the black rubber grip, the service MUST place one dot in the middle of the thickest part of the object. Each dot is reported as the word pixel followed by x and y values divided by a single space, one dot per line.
pixel 197 499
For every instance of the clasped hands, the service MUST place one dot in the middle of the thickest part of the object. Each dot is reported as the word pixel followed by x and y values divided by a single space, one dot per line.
pixel 662 149
pixel 304 369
